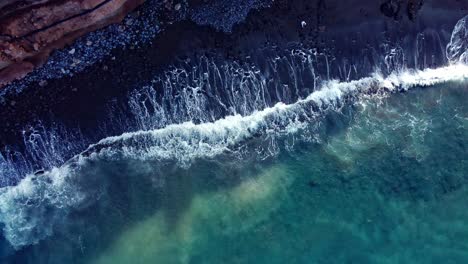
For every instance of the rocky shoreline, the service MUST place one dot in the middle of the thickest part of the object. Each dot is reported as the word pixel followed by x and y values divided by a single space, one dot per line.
pixel 28 33
pixel 31 30
pixel 77 96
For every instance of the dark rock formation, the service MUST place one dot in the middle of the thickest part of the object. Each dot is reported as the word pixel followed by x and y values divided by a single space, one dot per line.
pixel 413 8
pixel 392 8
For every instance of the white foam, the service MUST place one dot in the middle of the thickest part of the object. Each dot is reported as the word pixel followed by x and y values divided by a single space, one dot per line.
pixel 31 209
pixel 22 207
pixel 187 141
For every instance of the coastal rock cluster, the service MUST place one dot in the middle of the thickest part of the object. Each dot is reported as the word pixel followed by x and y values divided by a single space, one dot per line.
pixel 394 8
pixel 223 15
pixel 30 30
pixel 457 49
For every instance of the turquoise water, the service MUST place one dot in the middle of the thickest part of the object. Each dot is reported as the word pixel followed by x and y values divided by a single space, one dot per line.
pixel 384 180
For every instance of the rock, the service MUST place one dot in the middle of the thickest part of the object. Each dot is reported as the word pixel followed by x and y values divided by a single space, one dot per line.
pixel 129 22
pixel 31 29
pixel 457 49
pixel 413 8
pixel 43 83
pixel 312 184
pixel 391 8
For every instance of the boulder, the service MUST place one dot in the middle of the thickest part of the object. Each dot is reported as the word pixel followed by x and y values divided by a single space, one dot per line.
pixel 457 49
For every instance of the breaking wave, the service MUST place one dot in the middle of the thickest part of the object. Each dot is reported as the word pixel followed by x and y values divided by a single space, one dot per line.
pixel 32 210
pixel 187 141
pixel 199 90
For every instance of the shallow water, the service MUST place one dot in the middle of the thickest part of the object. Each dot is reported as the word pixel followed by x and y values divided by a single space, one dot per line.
pixel 384 180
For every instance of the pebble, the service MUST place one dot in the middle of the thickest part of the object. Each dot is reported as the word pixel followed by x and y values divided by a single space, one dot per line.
pixel 72 51
pixel 42 83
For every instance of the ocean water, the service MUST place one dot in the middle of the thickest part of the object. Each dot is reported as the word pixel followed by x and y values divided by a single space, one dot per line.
pixel 283 158
pixel 368 171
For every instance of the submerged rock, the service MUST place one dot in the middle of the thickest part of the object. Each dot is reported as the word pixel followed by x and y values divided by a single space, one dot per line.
pixel 413 8
pixel 457 49
pixel 391 8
